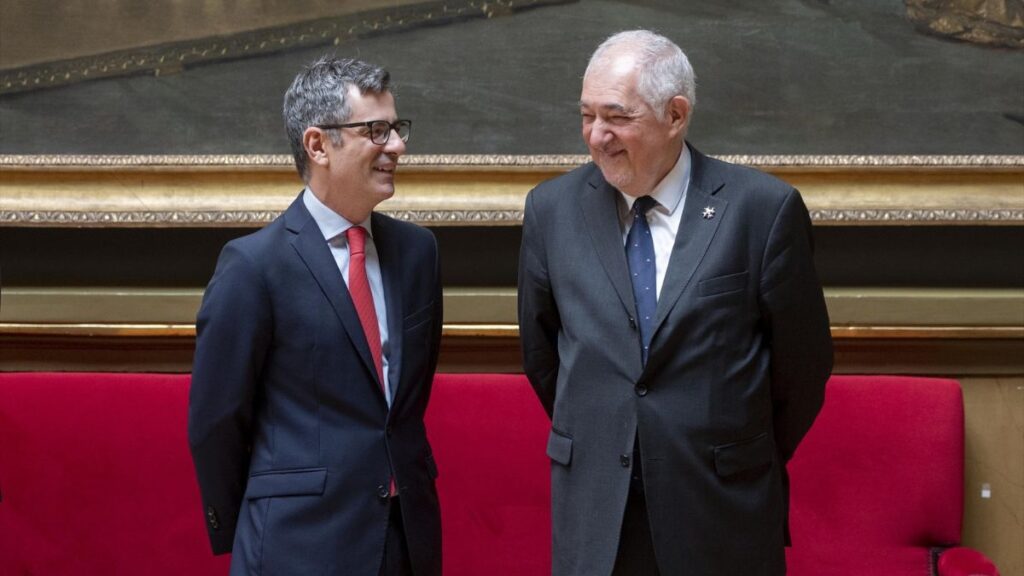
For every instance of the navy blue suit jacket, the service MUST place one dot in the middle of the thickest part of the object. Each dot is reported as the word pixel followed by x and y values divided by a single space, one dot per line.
pixel 291 435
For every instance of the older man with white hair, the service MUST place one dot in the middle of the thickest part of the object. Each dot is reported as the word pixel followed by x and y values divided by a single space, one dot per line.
pixel 674 329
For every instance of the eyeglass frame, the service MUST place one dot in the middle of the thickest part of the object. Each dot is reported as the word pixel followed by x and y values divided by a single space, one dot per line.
pixel 392 127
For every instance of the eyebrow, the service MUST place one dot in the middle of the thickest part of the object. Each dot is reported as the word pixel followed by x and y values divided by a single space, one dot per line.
pixel 609 107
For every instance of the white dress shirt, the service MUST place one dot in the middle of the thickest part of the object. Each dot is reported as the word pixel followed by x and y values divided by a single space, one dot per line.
pixel 333 226
pixel 665 217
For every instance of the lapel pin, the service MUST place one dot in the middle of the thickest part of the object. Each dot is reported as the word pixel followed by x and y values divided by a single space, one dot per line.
pixel 708 213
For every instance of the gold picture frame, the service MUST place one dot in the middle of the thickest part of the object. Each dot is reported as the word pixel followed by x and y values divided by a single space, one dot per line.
pixel 479 190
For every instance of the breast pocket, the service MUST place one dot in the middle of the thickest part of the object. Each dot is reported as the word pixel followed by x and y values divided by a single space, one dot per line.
pixel 720 285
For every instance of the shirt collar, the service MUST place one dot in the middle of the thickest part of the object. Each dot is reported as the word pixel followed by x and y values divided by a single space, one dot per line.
pixel 331 223
pixel 670 190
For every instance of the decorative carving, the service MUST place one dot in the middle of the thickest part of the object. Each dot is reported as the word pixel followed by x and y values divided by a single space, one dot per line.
pixel 245 218
pixel 505 161
pixel 917 216
pixel 985 198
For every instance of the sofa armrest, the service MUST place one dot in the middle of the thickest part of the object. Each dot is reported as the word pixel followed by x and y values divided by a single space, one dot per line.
pixel 962 561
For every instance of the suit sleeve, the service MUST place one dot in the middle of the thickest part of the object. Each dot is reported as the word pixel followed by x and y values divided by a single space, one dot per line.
pixel 233 333
pixel 797 323
pixel 438 325
pixel 539 321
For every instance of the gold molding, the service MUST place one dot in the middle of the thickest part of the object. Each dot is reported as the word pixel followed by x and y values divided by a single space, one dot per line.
pixel 469 330
pixel 479 190
pixel 479 307
pixel 877 330
pixel 90 330
pixel 284 161
pixel 279 161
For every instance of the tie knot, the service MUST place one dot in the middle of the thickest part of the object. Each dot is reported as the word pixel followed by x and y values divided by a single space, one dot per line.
pixel 644 203
pixel 356 239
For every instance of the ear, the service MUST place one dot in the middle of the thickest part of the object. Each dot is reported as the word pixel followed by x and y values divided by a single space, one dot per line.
pixel 316 142
pixel 678 114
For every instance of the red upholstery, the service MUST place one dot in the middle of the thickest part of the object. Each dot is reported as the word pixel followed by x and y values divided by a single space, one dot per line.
pixel 488 433
pixel 96 479
pixel 853 561
pixel 881 468
pixel 965 562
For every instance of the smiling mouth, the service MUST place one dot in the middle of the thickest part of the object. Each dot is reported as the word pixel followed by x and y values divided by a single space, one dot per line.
pixel 384 170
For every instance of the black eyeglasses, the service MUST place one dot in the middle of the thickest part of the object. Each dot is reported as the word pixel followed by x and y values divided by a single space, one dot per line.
pixel 380 130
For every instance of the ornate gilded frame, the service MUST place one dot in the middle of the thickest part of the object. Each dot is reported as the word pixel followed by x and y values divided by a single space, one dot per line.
pixel 153 329
pixel 478 190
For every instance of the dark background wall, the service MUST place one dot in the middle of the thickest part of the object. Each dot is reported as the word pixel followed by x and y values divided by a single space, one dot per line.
pixel 892 256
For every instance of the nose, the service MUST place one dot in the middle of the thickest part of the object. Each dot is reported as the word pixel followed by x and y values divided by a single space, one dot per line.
pixel 598 135
pixel 394 145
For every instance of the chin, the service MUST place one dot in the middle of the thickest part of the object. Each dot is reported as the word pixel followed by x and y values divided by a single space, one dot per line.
pixel 619 180
pixel 616 173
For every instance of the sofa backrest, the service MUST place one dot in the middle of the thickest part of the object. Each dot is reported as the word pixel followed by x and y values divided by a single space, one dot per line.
pixel 882 465
pixel 488 433
pixel 96 478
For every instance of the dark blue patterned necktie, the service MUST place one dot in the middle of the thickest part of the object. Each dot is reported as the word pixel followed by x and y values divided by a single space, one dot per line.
pixel 642 271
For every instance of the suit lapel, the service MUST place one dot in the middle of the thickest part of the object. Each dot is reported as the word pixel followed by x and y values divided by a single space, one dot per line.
pixel 386 242
pixel 311 247
pixel 694 235
pixel 601 212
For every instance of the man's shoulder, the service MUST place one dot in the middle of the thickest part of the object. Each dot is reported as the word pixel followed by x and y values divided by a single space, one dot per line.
pixel 744 178
pixel 261 240
pixel 756 199
pixel 401 230
pixel 567 186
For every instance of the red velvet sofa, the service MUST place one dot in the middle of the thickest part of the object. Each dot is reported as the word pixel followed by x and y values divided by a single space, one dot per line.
pixel 96 479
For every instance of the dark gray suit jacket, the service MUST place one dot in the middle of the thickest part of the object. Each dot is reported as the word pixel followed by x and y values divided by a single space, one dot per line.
pixel 291 435
pixel 738 362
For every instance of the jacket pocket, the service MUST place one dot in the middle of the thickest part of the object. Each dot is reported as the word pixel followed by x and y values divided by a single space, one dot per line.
pixel 744 455
pixel 303 482
pixel 560 447
pixel 722 284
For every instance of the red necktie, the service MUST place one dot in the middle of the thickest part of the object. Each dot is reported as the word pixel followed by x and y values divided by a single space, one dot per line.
pixel 359 288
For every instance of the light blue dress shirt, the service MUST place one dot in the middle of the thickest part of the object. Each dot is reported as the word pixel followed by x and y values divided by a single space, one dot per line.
pixel 333 226
pixel 664 218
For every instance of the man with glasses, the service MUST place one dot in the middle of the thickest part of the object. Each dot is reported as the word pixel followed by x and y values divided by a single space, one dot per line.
pixel 317 341
pixel 675 331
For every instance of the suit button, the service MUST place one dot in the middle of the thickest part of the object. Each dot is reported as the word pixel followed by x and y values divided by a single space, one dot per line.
pixel 211 516
pixel 641 390
pixel 387 430
pixel 624 460
pixel 632 323
pixel 382 492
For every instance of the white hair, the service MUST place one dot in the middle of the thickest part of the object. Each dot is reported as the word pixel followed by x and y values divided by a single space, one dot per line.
pixel 664 70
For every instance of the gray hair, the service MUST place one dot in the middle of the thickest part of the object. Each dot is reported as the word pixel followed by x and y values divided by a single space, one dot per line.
pixel 319 95
pixel 664 70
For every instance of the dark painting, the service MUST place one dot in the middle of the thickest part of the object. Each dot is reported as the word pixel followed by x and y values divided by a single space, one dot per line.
pixel 778 77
